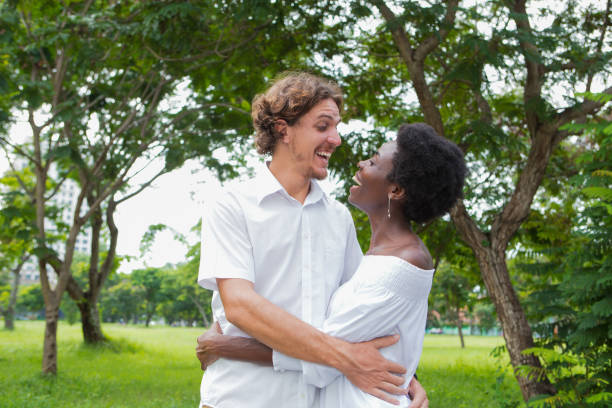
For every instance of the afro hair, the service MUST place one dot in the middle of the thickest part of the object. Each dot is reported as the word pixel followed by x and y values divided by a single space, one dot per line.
pixel 430 168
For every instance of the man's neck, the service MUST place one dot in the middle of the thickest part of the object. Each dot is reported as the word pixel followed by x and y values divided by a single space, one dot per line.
pixel 293 181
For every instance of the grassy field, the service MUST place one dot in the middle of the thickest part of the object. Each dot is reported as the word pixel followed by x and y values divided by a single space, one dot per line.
pixel 156 367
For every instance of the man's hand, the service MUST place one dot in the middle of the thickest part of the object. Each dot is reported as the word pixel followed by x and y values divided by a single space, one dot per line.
pixel 368 370
pixel 206 346
pixel 417 395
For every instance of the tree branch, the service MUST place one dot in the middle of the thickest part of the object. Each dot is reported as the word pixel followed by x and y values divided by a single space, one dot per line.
pixel 415 60
pixel 142 187
pixel 576 112
pixel 94 256
pixel 114 233
pixel 29 192
pixel 533 85
pixel 601 41
pixel 17 150
pixel 466 227
pixel 431 43
pixel 59 185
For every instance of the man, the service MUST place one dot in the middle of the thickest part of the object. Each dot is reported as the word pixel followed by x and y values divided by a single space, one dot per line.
pixel 274 249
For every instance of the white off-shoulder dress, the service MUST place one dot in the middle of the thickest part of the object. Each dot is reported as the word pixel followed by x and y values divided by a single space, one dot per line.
pixel 385 296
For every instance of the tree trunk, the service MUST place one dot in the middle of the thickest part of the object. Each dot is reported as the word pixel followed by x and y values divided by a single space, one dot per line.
pixel 49 360
pixel 90 322
pixel 9 314
pixel 516 330
pixel 489 250
pixel 460 327
pixel 201 310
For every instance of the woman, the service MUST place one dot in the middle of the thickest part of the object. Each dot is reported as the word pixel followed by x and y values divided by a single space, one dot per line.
pixel 415 178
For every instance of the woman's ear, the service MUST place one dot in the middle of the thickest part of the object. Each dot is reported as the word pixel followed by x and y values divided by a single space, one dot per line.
pixel 397 193
pixel 281 126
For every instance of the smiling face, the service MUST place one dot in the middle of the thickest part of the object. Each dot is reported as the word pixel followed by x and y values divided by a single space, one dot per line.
pixel 313 138
pixel 372 185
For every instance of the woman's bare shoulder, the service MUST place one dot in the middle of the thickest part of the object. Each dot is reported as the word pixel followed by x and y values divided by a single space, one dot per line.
pixel 417 255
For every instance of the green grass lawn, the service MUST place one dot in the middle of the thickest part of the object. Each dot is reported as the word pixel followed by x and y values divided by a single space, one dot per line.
pixel 156 367
pixel 469 377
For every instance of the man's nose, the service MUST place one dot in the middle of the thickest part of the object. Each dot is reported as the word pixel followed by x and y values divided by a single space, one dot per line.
pixel 335 139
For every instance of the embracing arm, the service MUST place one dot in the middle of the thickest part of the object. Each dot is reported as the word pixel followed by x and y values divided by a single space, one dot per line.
pixel 361 363
pixel 212 345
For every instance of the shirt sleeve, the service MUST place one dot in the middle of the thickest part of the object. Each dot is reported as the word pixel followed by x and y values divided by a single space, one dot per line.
pixel 226 250
pixel 375 312
pixel 283 362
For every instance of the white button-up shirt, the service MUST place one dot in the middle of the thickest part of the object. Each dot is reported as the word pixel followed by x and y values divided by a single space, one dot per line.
pixel 386 296
pixel 296 255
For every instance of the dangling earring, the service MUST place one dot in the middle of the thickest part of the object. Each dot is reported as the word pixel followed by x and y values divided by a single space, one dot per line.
pixel 389 207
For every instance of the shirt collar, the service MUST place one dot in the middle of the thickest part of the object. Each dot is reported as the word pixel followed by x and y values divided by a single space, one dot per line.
pixel 267 185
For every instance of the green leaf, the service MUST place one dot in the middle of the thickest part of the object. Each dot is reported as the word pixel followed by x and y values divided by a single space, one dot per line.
pixel 603 193
pixel 599 397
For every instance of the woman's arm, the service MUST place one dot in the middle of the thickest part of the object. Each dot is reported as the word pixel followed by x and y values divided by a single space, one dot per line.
pixel 213 345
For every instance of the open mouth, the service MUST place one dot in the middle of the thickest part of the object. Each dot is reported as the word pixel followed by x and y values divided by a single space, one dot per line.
pixel 356 185
pixel 323 155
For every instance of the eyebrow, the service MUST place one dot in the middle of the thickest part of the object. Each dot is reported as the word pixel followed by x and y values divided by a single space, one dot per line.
pixel 325 115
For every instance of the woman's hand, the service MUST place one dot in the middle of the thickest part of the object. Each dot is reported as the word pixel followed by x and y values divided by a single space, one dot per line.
pixel 206 346
pixel 417 395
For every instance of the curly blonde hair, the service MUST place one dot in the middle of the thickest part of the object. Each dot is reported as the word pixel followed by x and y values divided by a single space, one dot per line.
pixel 290 97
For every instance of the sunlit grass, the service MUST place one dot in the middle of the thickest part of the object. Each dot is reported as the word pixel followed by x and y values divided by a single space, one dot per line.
pixel 156 367
pixel 152 367
pixel 470 377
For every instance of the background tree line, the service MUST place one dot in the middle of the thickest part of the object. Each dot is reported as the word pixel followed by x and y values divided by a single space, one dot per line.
pixel 522 87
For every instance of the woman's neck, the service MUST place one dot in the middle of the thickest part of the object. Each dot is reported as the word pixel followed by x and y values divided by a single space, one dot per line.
pixel 388 233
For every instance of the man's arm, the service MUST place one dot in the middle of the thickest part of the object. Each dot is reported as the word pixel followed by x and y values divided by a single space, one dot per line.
pixel 212 345
pixel 361 363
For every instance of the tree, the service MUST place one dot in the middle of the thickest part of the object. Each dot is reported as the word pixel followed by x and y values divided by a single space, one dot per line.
pixel 30 300
pixel 188 286
pixel 570 285
pixel 182 280
pixel 16 239
pixel 484 312
pixel 120 301
pixel 500 85
pixel 452 296
pixel 98 83
pixel 148 283
pixel 453 291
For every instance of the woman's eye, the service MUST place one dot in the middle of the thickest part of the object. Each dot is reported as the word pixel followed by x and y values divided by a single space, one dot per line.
pixel 371 162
